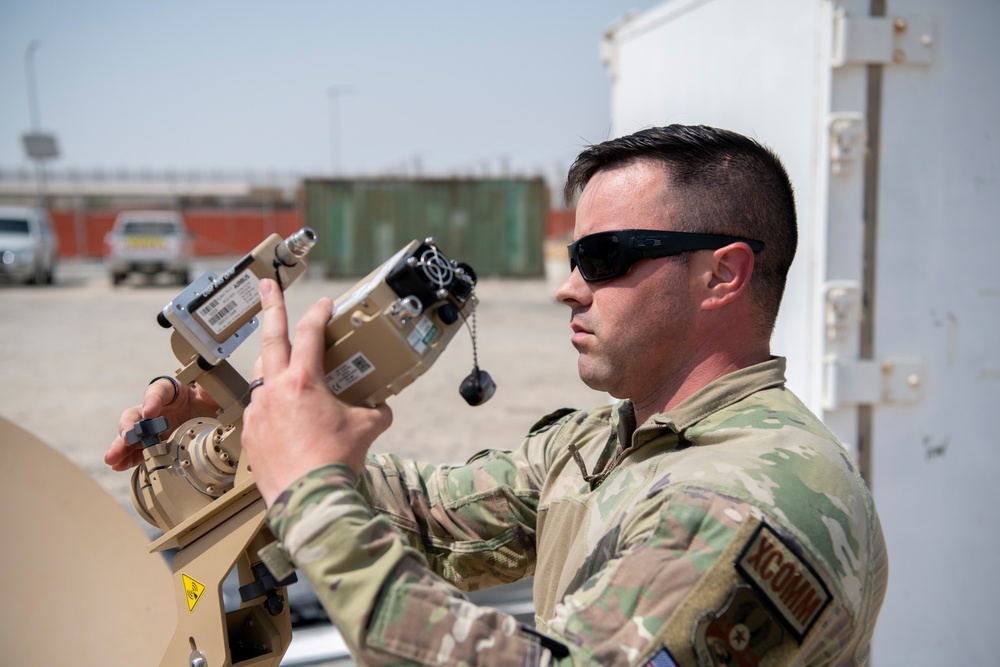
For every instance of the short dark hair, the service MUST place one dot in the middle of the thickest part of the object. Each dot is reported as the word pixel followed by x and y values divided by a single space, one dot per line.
pixel 727 184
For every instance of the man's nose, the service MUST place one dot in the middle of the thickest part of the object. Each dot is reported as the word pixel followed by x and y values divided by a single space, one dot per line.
pixel 574 290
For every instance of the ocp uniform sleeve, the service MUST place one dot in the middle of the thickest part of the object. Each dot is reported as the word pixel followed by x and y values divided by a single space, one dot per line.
pixel 474 524
pixel 387 603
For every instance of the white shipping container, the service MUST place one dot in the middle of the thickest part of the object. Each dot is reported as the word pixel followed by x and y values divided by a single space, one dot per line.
pixel 886 115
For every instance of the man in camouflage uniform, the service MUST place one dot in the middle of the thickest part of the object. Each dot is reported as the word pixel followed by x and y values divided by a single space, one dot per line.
pixel 708 518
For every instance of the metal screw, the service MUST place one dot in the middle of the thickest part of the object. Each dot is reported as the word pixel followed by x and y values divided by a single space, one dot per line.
pixel 899 23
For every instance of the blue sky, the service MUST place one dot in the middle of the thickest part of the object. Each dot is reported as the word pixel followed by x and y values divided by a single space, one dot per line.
pixel 456 87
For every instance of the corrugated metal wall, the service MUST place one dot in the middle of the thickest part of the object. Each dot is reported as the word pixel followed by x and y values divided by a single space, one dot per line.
pixel 496 225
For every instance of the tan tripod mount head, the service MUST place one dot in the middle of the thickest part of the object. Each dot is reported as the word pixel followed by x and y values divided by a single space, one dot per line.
pixel 385 332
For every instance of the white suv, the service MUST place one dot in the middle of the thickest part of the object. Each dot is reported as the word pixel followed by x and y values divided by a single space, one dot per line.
pixel 28 247
pixel 148 242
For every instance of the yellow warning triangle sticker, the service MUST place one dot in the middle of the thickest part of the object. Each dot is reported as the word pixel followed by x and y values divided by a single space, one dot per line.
pixel 192 590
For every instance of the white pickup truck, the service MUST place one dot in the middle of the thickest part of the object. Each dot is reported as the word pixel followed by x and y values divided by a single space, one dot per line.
pixel 148 243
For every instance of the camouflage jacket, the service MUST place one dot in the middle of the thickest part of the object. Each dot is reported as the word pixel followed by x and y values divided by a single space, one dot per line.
pixel 731 530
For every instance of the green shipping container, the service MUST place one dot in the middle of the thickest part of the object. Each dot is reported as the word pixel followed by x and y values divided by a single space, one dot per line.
pixel 495 225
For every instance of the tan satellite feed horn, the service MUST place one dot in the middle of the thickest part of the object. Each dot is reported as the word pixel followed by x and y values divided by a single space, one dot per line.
pixel 195 486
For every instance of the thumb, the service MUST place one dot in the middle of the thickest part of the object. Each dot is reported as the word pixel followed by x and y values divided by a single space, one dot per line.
pixel 150 409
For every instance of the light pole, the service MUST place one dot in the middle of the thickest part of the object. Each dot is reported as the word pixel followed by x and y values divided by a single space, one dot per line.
pixel 335 93
pixel 29 70
pixel 38 145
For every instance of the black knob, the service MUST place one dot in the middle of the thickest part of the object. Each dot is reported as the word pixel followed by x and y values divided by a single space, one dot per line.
pixel 264 584
pixel 147 431
pixel 448 313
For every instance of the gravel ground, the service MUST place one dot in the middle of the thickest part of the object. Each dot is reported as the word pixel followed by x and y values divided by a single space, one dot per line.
pixel 75 354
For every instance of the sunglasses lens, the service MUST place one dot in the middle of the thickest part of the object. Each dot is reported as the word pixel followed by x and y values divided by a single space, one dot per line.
pixel 599 256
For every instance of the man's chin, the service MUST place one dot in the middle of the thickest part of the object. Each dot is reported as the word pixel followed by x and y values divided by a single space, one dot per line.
pixel 598 379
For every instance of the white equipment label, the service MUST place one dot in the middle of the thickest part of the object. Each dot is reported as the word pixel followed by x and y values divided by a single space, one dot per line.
pixel 230 302
pixel 422 335
pixel 347 374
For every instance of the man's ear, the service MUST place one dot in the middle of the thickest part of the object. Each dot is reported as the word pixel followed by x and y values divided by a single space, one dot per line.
pixel 731 268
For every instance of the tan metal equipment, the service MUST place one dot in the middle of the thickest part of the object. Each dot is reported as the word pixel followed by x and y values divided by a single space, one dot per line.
pixel 195 485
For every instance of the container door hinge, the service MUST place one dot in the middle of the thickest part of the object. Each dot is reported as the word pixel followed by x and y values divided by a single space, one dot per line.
pixel 849 380
pixel 848 138
pixel 871 382
pixel 881 40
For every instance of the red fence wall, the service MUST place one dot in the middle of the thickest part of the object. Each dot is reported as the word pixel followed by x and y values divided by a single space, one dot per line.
pixel 559 224
pixel 218 231
pixel 215 231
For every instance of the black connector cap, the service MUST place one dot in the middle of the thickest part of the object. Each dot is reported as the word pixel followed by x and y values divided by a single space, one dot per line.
pixel 477 388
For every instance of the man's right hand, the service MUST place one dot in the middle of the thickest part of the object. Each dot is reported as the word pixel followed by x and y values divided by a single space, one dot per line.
pixel 158 401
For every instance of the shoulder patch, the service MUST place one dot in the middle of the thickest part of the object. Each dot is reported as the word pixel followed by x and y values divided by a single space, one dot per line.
pixel 741 633
pixel 550 420
pixel 790 586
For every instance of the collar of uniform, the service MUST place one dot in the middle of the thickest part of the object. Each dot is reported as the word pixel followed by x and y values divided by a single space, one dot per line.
pixel 623 421
pixel 722 393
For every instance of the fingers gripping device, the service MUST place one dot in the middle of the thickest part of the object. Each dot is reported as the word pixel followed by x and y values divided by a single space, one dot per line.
pixel 385 332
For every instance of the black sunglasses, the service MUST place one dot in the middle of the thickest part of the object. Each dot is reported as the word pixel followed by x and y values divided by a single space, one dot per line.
pixel 607 255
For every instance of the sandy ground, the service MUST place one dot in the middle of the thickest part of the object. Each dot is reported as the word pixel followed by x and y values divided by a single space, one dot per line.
pixel 74 355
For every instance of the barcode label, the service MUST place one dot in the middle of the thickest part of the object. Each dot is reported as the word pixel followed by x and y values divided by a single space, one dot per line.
pixel 225 310
pixel 230 303
pixel 349 373
pixel 361 363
